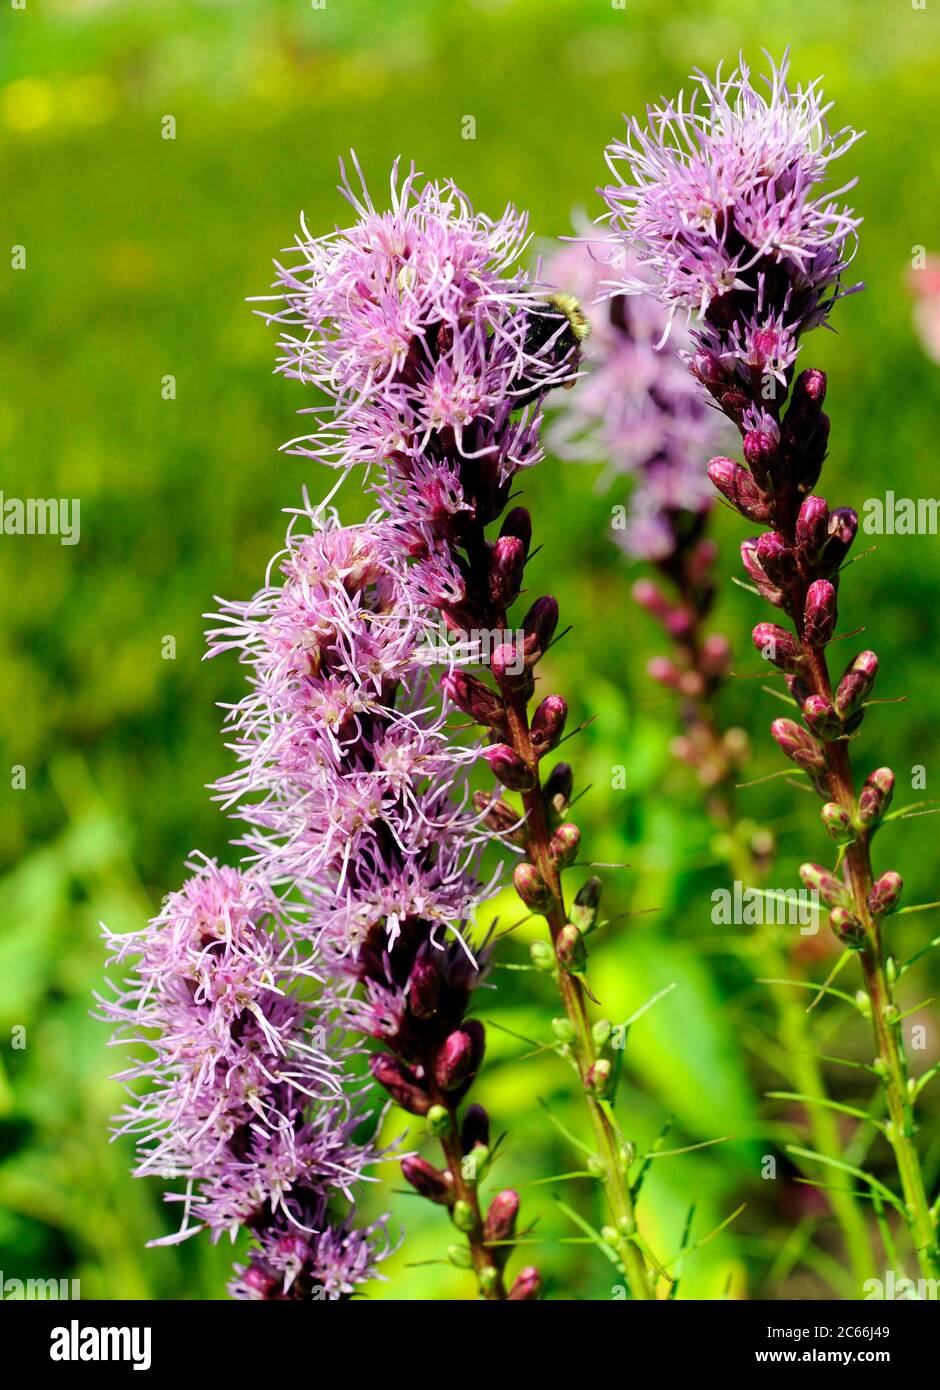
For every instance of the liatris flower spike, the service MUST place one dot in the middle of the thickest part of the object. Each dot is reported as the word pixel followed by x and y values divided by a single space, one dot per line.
pixel 436 352
pixel 637 406
pixel 355 797
pixel 726 201
pixel 245 1093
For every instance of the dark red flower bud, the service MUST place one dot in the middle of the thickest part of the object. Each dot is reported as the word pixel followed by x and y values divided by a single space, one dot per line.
pixel 428 1180
pixel 527 1285
pixel 799 745
pixel 875 796
pixel 557 788
pixel 812 528
pixel 760 454
pixel 856 685
pixel 821 719
pixel 518 522
pixel 500 1222
pixel 820 613
pixel 777 560
pixel 507 562
pixel 709 368
pixel 738 486
pixel 885 894
pixel 806 401
pixel 843 527
pixel 472 697
pixel 401 1083
pixel 508 767
pixel 475 1129
pixel 564 845
pixel 460 1056
pixel 649 596
pixel 424 988
pixel 548 723
pixel 779 646
pixel 531 887
pixel 757 574
pixel 539 626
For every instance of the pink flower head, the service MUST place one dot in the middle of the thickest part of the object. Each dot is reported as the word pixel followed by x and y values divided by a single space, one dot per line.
pixel 726 200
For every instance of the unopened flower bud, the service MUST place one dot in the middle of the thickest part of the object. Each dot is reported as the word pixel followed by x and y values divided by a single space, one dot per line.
pixel 875 796
pixel 542 956
pixel 475 1130
pixel 527 1285
pixel 424 988
pixel 508 665
pixel 569 948
pixel 460 1256
pixel 799 745
pixel 556 789
pixel 601 1031
pixel 777 560
pixel 428 1180
pixel 831 889
pixel 755 571
pixel 463 1216
pixel 585 906
pixel 715 656
pixel 501 1218
pixel 885 894
pixel 507 562
pixel 760 454
pixel 843 526
pixel 538 627
pixel 812 528
pixel 472 697
pixel 821 718
pixel 650 597
pixel 597 1078
pixel 738 486
pixel 438 1121
pixel 548 723
pixel 820 613
pixel 518 522
pixel 564 845
pixel 401 1083
pixel 508 767
pixel 856 685
pixel 837 821
pixel 531 887
pixel 563 1030
pixel 779 646
pixel 846 926
pixel 460 1056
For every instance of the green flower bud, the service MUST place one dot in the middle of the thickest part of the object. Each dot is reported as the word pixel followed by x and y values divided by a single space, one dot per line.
pixel 438 1120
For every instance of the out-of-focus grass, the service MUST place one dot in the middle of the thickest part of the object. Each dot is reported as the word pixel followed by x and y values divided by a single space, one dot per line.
pixel 140 253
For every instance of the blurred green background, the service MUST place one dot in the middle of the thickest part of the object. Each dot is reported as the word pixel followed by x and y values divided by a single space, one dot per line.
pixel 140 254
